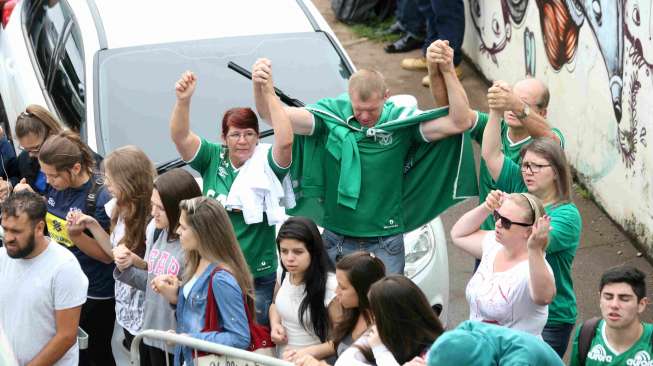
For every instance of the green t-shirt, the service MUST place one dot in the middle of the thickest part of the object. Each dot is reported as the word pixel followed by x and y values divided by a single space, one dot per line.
pixel 564 238
pixel 256 240
pixel 379 209
pixel 601 353
pixel 510 149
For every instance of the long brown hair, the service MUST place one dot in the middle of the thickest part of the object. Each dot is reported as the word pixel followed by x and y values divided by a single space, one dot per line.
pixel 132 174
pixel 174 186
pixel 38 121
pixel 551 151
pixel 404 319
pixel 362 270
pixel 64 150
pixel 216 238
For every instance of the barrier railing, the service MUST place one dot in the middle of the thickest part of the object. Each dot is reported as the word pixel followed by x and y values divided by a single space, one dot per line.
pixel 228 356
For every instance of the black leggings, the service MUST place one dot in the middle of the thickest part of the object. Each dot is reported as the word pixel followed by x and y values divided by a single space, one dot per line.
pixel 97 320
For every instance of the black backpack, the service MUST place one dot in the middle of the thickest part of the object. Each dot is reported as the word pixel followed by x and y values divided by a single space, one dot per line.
pixel 587 333
pixel 356 11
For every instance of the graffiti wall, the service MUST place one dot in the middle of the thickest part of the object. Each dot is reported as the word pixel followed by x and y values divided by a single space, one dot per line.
pixel 596 56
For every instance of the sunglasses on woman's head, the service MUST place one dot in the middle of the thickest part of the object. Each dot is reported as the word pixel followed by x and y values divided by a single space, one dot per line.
pixel 506 223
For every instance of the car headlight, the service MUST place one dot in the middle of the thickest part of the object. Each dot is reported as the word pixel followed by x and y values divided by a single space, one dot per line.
pixel 420 248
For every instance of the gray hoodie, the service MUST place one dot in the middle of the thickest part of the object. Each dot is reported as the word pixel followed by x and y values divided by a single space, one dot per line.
pixel 162 257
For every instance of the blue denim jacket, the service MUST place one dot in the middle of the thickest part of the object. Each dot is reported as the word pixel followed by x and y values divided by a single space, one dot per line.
pixel 233 319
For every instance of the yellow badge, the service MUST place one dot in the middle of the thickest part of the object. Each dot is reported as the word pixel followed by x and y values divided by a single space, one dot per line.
pixel 57 230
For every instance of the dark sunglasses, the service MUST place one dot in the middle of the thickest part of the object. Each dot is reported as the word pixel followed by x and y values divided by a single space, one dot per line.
pixel 506 223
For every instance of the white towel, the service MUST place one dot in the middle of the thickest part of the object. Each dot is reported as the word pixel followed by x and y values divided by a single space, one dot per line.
pixel 257 189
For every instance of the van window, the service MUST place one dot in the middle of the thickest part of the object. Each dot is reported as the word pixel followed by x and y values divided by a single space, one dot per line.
pixel 57 45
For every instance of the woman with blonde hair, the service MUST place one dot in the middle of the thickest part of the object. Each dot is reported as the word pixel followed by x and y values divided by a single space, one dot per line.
pixel 513 284
pixel 213 258
pixel 129 177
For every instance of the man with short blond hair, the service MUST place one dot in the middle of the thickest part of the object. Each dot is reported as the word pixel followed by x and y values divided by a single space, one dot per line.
pixel 363 150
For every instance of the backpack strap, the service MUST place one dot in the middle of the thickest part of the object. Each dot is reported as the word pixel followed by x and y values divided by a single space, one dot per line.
pixel 587 333
pixel 211 314
pixel 90 204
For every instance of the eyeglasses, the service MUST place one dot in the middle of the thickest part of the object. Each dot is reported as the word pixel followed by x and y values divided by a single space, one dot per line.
pixel 235 136
pixel 506 223
pixel 532 167
pixel 34 149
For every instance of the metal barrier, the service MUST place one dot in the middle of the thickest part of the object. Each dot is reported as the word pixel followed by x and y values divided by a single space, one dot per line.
pixel 229 356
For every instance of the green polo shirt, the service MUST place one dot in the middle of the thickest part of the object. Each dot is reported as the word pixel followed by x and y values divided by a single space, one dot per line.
pixel 218 174
pixel 564 238
pixel 601 353
pixel 379 209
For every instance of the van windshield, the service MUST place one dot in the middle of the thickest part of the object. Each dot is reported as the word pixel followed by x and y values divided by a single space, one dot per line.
pixel 134 87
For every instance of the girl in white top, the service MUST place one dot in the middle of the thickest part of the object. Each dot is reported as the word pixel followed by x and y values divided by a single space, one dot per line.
pixel 129 176
pixel 513 284
pixel 303 311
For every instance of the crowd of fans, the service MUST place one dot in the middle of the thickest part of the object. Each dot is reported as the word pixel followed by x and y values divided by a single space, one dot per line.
pixel 89 242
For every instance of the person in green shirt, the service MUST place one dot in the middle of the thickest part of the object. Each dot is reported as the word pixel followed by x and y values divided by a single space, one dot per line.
pixel 220 164
pixel 364 164
pixel 544 172
pixel 620 337
pixel 483 344
pixel 525 110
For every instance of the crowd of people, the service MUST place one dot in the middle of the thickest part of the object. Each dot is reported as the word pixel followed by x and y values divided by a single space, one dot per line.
pixel 94 242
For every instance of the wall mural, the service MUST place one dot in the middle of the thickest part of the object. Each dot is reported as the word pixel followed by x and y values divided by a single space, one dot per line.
pixel 623 31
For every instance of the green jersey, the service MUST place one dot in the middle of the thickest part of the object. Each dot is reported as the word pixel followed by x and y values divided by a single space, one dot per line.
pixel 602 354
pixel 564 238
pixel 381 191
pixel 218 174
pixel 381 180
pixel 511 150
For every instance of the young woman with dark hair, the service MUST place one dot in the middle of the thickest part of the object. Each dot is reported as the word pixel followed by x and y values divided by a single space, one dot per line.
pixel 543 172
pixel 68 165
pixel 209 242
pixel 163 255
pixel 405 325
pixel 303 311
pixel 228 169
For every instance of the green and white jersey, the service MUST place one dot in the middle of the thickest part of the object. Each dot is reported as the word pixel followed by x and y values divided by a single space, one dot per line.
pixel 564 238
pixel 379 209
pixel 218 174
pixel 601 352
pixel 511 150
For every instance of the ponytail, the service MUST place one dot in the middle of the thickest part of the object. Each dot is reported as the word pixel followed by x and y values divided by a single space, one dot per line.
pixel 66 149
pixel 38 121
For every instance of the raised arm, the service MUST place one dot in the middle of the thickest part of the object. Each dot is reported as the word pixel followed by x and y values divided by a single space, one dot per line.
pixel 185 140
pixel 301 120
pixel 535 123
pixel 466 233
pixel 441 55
pixel 283 133
pixel 491 147
pixel 541 282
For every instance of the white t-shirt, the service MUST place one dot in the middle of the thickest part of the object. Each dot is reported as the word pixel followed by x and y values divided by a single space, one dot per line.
pixel 129 300
pixel 288 299
pixel 504 298
pixel 31 290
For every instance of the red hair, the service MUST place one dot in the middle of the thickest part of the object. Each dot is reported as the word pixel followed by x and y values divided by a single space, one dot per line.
pixel 239 118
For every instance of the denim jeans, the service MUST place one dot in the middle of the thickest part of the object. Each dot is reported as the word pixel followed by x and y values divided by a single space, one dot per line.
pixel 390 249
pixel 445 19
pixel 264 291
pixel 557 336
pixel 412 22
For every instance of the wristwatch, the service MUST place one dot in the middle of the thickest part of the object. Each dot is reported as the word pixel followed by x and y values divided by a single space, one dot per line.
pixel 524 113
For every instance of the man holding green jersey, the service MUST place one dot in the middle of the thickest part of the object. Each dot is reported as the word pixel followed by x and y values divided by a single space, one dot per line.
pixel 360 147
pixel 619 337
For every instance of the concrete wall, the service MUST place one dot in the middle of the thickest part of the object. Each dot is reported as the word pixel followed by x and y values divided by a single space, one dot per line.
pixel 597 58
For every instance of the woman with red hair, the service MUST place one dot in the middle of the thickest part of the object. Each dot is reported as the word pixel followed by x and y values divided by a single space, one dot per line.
pixel 231 169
